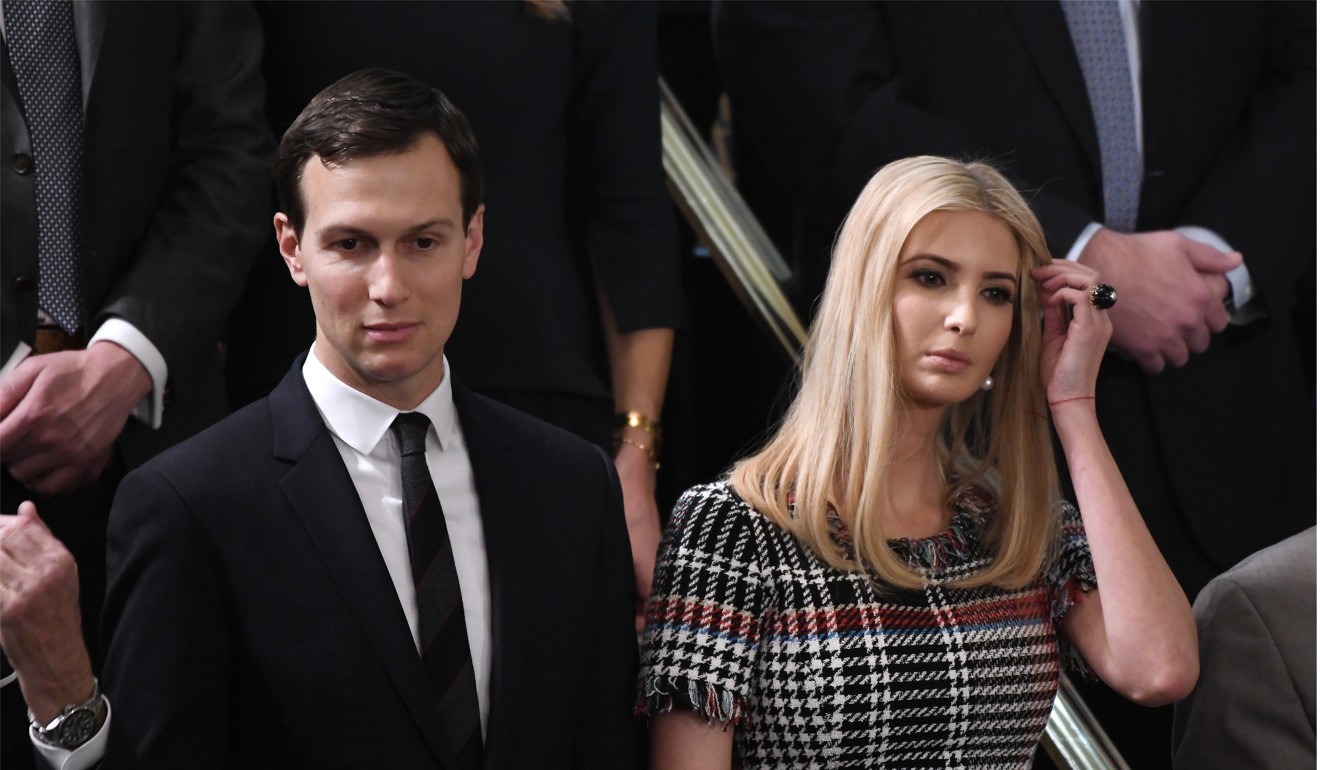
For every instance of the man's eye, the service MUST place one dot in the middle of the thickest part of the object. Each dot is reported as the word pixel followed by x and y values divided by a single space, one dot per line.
pixel 425 243
pixel 347 244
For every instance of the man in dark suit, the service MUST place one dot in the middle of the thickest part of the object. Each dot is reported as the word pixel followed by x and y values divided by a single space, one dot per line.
pixel 566 102
pixel 134 149
pixel 1210 422
pixel 271 604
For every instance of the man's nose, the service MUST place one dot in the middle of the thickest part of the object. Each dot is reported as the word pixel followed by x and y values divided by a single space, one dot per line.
pixel 386 284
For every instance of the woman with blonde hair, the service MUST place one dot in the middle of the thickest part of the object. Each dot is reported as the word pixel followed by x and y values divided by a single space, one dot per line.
pixel 882 585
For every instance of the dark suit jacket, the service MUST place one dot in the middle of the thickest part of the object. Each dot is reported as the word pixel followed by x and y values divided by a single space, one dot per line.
pixel 174 207
pixel 829 92
pixel 251 621
pixel 1254 705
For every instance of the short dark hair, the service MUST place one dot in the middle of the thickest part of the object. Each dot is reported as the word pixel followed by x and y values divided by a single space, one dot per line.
pixel 374 112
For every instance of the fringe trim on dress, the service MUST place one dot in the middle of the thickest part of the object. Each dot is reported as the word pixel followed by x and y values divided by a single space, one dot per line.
pixel 657 696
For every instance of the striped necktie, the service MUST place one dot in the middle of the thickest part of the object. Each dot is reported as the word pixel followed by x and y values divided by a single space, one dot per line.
pixel 446 656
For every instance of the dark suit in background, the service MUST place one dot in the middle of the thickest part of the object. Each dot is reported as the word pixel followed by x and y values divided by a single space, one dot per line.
pixel 828 92
pixel 174 162
pixel 252 622
pixel 173 169
pixel 1254 706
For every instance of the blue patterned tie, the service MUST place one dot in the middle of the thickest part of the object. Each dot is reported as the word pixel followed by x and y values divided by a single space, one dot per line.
pixel 39 35
pixel 1097 33
pixel 446 656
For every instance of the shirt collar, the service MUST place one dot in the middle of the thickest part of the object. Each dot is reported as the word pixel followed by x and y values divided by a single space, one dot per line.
pixel 360 420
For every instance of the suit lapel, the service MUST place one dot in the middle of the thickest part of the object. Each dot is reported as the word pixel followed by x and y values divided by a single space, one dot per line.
pixel 88 29
pixel 1044 33
pixel 321 493
pixel 494 468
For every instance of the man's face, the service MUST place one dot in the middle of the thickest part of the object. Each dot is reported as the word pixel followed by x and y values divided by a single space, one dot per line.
pixel 384 254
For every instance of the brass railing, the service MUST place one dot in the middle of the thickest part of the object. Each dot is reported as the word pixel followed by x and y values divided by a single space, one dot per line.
pixel 754 268
pixel 741 249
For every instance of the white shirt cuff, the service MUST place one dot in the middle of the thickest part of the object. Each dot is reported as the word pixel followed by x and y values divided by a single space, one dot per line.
pixel 21 352
pixel 81 758
pixel 1238 277
pixel 1087 234
pixel 124 334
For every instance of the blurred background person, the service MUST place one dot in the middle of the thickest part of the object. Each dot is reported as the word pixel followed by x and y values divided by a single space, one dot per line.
pixel 1254 706
pixel 132 207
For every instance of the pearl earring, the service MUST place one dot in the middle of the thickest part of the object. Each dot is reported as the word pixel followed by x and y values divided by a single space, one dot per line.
pixel 988 384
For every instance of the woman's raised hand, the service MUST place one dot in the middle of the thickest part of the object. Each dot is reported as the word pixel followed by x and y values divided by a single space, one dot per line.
pixel 1076 331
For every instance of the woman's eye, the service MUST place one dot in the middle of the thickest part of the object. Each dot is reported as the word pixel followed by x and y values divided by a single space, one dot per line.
pixel 998 296
pixel 928 278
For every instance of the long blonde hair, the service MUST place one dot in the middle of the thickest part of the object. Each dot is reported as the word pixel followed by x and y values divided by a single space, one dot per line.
pixel 834 448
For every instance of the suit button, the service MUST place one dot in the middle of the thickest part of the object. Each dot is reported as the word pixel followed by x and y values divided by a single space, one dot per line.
pixel 21 162
pixel 24 286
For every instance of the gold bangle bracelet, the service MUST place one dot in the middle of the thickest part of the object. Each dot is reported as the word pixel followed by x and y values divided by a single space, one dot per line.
pixel 650 454
pixel 631 419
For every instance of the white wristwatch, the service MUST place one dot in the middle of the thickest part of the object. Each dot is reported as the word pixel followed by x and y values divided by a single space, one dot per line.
pixel 76 724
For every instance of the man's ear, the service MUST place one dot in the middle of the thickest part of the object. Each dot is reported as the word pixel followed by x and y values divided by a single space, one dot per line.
pixel 475 240
pixel 287 237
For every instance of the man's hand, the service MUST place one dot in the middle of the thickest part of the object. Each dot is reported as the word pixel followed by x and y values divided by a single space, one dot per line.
pixel 1171 293
pixel 60 414
pixel 637 477
pixel 40 629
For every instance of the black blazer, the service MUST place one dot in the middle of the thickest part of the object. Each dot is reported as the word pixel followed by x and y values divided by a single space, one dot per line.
pixel 830 92
pixel 251 621
pixel 174 206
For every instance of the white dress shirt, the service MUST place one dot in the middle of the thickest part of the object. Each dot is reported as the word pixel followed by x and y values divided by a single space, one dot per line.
pixel 360 426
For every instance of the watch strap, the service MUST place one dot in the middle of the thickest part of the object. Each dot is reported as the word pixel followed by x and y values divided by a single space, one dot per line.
pixel 76 724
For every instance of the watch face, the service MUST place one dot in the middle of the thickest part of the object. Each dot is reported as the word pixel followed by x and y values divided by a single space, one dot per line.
pixel 77 728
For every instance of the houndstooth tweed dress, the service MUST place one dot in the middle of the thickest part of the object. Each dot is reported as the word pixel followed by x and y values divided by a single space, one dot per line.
pixel 813 668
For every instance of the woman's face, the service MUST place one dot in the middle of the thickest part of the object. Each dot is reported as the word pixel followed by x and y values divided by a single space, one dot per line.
pixel 954 304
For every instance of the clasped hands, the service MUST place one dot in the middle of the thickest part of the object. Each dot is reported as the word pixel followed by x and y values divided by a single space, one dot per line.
pixel 1171 293
pixel 60 414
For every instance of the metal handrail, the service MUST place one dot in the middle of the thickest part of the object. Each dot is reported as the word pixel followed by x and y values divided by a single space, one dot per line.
pixel 1074 737
pixel 727 228
pixel 754 269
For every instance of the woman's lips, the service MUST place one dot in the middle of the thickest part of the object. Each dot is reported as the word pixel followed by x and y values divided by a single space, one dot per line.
pixel 949 360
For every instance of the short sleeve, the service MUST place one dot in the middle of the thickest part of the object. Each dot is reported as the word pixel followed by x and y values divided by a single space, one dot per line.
pixel 703 623
pixel 1069 573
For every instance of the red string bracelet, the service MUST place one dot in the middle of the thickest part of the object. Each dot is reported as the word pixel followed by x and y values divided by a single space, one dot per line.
pixel 1074 398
